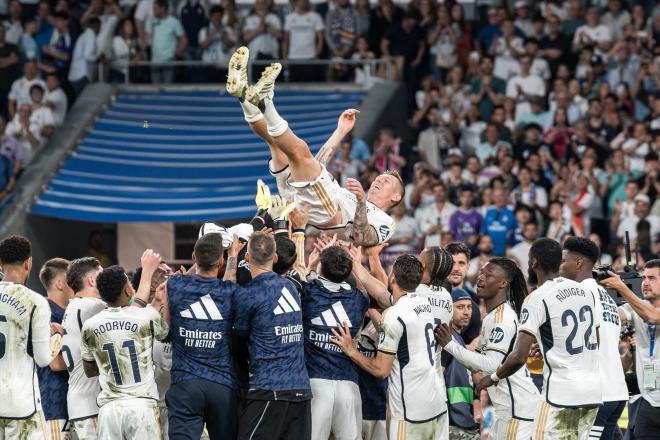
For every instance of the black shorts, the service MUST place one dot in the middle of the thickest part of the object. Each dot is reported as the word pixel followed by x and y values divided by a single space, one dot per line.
pixel 275 420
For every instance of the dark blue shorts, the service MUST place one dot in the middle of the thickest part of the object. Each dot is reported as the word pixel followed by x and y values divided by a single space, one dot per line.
pixel 193 403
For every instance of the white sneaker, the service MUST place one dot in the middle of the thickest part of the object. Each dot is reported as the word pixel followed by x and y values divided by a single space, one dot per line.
pixel 265 87
pixel 237 78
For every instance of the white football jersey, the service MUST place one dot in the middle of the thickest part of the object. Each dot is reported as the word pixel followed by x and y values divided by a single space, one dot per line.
pixel 611 373
pixel 120 340
pixel 379 219
pixel 516 396
pixel 83 390
pixel 563 317
pixel 163 366
pixel 24 342
pixel 442 307
pixel 415 392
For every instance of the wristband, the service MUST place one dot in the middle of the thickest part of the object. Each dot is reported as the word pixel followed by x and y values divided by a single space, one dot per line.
pixel 140 302
pixel 298 231
pixel 494 377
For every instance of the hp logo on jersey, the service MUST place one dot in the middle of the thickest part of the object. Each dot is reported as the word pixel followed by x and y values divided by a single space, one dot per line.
pixel 524 315
pixel 496 335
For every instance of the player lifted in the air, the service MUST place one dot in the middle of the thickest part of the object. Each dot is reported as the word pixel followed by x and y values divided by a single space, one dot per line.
pixel 303 178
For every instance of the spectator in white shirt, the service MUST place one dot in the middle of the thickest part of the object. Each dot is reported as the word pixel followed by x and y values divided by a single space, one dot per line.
pixel 616 19
pixel 303 40
pixel 636 147
pixel 20 89
pixel 144 16
pixel 435 219
pixel 528 193
pixel 592 32
pixel 41 113
pixel 262 31
pixel 404 239
pixel 642 211
pixel 126 50
pixel 109 14
pixel 56 99
pixel 217 41
pixel 27 130
pixel 520 251
pixel 506 49
pixel 540 66
pixel 524 85
pixel 84 56
pixel 11 148
pixel 13 24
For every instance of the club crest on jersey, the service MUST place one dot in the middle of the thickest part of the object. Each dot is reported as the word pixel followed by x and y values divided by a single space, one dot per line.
pixel 524 315
pixel 384 231
pixel 496 335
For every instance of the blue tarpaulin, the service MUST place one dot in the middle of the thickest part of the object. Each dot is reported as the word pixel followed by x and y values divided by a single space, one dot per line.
pixel 179 156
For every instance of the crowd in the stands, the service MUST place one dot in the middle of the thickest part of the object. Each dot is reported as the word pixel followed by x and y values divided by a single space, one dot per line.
pixel 530 118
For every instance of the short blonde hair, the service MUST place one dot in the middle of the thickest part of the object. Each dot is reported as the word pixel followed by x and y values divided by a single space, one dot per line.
pixel 396 174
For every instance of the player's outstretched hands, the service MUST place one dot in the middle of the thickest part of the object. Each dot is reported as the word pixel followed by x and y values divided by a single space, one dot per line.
pixel 356 189
pixel 356 254
pixel 236 246
pixel 374 251
pixel 342 338
pixel 262 199
pixel 484 383
pixel 298 219
pixel 150 261
pixel 347 120
pixel 280 208
pixel 442 335
pixel 324 242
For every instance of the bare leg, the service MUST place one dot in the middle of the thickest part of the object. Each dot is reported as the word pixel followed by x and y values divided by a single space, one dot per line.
pixel 279 160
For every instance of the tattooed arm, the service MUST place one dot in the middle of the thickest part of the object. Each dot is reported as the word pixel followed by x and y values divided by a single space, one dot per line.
pixel 232 259
pixel 363 233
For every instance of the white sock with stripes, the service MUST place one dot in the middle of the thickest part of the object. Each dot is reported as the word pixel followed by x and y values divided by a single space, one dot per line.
pixel 251 112
pixel 275 123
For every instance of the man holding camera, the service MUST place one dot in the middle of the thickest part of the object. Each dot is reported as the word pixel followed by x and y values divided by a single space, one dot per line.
pixel 644 315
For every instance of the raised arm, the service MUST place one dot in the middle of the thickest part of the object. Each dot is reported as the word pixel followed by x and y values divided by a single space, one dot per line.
pixel 645 310
pixel 363 233
pixel 232 259
pixel 345 124
pixel 375 288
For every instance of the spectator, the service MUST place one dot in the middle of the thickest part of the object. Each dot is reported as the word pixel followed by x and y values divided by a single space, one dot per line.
pixel 488 149
pixel 262 31
pixel 641 212
pixel 28 46
pixel 303 40
pixel 126 50
pixel 40 111
pixel 217 41
pixel 405 237
pixel 407 41
pixel 540 66
pixel 109 14
pixel 435 219
pixel 592 33
pixel 168 41
pixel 528 193
pixel 484 248
pixel 636 147
pixel 419 193
pixel 57 55
pixel 559 224
pixel 13 24
pixel 20 89
pixel 470 127
pixel 536 115
pixel 465 223
pixel 443 42
pixel 615 19
pixel 10 148
pixel 613 181
pixel 555 45
pixel 385 15
pixel 9 57
pixel 488 90
pixel 192 14
pixel 364 19
pixel 506 49
pixel 144 17
pixel 341 26
pixel 472 173
pixel 26 131
pixel 348 167
pixel 580 199
pixel 488 33
pixel 55 99
pixel 524 85
pixel 44 24
pixel 387 154
pixel 84 56
pixel 364 75
pixel 499 223
pixel 520 252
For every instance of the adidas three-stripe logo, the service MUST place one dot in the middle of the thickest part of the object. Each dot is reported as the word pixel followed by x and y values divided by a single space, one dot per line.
pixel 204 309
pixel 286 303
pixel 333 316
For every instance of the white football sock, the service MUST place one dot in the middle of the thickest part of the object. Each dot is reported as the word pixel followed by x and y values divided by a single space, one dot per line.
pixel 275 123
pixel 251 112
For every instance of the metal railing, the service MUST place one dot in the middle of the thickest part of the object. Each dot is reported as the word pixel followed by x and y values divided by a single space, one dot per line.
pixel 380 68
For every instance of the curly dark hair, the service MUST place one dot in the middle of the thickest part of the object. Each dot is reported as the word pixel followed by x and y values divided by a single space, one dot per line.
pixel 336 264
pixel 111 283
pixel 408 272
pixel 15 249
